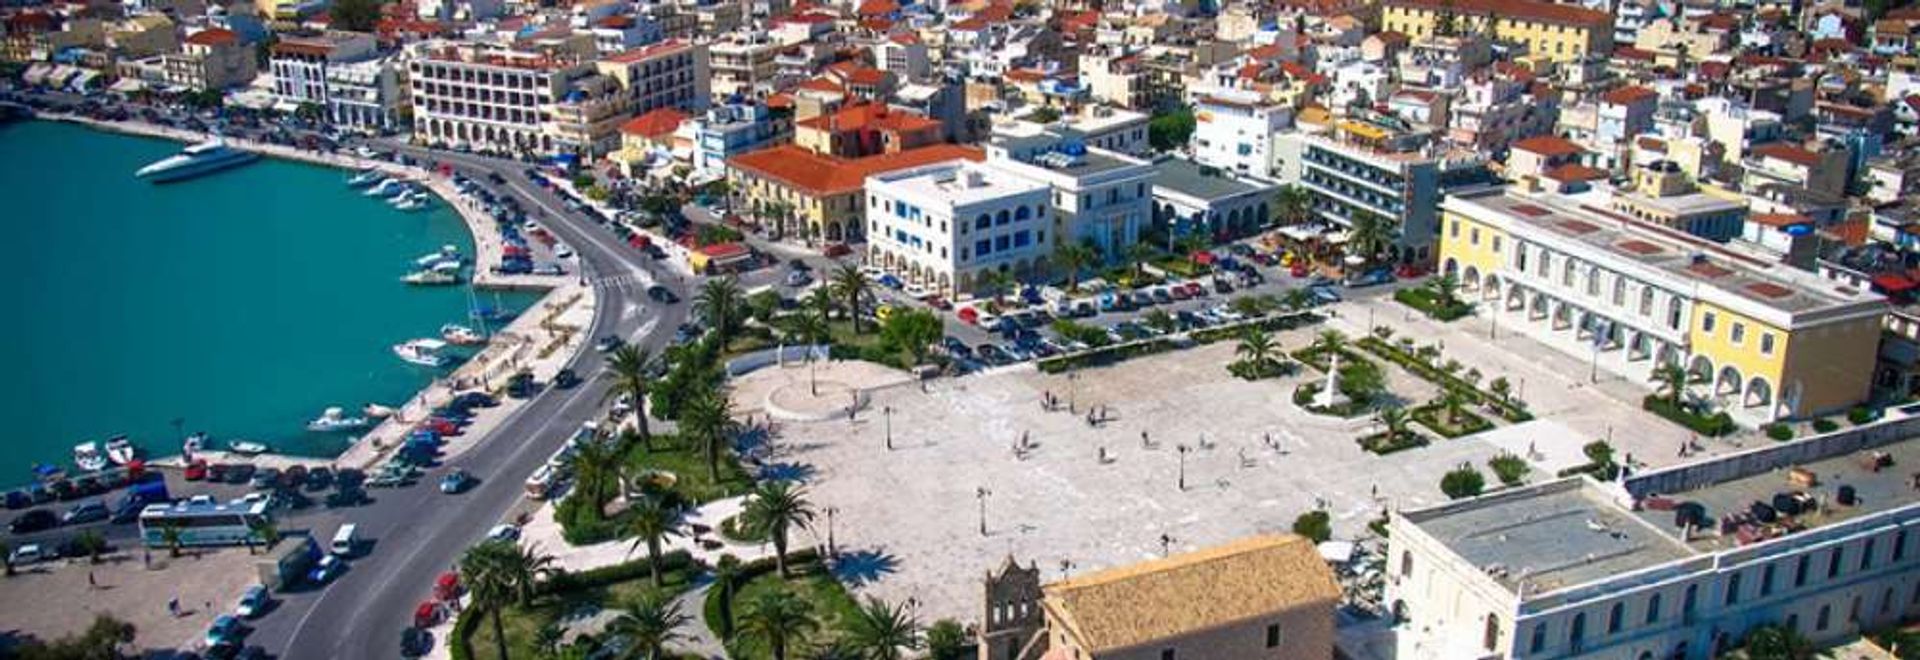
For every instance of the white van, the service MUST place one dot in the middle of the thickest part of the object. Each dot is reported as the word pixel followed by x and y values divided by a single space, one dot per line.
pixel 345 540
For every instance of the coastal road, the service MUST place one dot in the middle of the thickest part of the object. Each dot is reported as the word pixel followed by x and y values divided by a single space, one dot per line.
pixel 417 533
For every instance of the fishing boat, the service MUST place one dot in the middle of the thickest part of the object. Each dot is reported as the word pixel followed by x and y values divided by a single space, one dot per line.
pixel 121 451
pixel 423 352
pixel 401 192
pixel 248 447
pixel 384 188
pixel 335 419
pixel 460 335
pixel 87 456
pixel 366 177
pixel 431 277
pixel 447 252
pixel 377 411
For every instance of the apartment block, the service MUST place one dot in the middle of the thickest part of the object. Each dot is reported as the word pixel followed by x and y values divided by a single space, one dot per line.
pixel 491 98
pixel 941 226
pixel 1379 166
pixel 299 65
pixel 1551 31
pixel 1102 198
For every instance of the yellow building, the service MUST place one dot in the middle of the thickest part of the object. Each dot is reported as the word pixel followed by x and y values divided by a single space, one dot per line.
pixel 1558 32
pixel 803 194
pixel 1762 340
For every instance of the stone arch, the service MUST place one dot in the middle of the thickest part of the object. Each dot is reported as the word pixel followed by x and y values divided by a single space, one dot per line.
pixel 1491 287
pixel 1263 215
pixel 833 231
pixel 1667 354
pixel 1472 278
pixel 1759 392
pixel 1451 267
pixel 1700 367
pixel 1729 381
pixel 1790 396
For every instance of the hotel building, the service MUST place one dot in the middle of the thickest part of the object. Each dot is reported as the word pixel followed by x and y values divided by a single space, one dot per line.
pixel 489 97
pixel 942 225
pixel 1764 340
pixel 1817 535
pixel 1356 167
pixel 1550 30
pixel 299 65
pixel 814 196
pixel 1100 197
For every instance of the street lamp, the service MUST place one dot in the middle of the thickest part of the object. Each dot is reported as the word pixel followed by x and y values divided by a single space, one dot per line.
pixel 981 494
pixel 1073 392
pixel 832 550
pixel 888 412
pixel 1183 466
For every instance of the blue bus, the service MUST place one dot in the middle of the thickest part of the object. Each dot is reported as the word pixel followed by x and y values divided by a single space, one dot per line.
pixel 203 522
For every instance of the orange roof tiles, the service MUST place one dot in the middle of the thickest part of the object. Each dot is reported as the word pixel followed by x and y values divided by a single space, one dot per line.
pixel 654 124
pixel 1789 153
pixel 823 175
pixel 1548 145
pixel 1629 95
pixel 213 37
pixel 1778 219
pixel 875 116
pixel 648 52
pixel 1530 9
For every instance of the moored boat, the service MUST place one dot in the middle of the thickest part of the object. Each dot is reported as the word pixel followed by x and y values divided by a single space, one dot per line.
pixel 377 411
pixel 423 352
pixel 460 335
pixel 431 277
pixel 87 456
pixel 384 187
pixel 203 158
pixel 366 177
pixel 335 419
pixel 446 253
pixel 248 447
pixel 121 451
pixel 193 444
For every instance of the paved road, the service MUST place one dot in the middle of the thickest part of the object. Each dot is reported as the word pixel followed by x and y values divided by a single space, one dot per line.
pixel 418 533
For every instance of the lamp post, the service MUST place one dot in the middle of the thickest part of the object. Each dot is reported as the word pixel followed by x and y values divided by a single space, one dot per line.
pixel 1073 392
pixel 887 412
pixel 981 494
pixel 1183 466
pixel 832 550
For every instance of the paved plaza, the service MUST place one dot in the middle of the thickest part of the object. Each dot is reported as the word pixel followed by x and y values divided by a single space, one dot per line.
pixel 1087 496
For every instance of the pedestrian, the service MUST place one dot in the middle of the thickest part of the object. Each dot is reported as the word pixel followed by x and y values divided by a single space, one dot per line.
pixel 1143 440
pixel 173 607
pixel 91 582
pixel 209 607
pixel 146 558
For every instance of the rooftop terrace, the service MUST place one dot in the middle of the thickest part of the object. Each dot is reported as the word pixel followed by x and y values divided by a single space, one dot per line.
pixel 1556 536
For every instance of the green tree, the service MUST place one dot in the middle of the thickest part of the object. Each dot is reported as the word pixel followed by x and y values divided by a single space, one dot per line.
pixel 485 571
pixel 946 640
pixel 1044 115
pixel 260 530
pixel 1462 482
pixel 550 639
pixel 1315 525
pixel 807 329
pixel 1673 380
pixel 1453 401
pixel 852 286
pixel 727 573
pixel 722 305
pixel 1510 469
pixel 1293 204
pixel 879 631
pixel 1775 642
pixel 707 418
pixel 1074 258
pixel 1330 341
pixel 647 625
pixel 779 617
pixel 1170 130
pixel 1296 299
pixel 1140 254
pixel 1159 319
pixel 774 509
pixel 1372 234
pixel 629 368
pixel 819 304
pixel 104 638
pixel 1394 418
pixel 92 543
pixel 596 472
pixel 1446 291
pixel 912 330
pixel 355 15
pixel 650 520
pixel 1598 452
pixel 1257 348
pixel 172 536
pixel 1000 282
pixel 1501 387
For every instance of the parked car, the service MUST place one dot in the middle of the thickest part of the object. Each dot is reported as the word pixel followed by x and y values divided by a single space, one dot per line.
pixel 798 278
pixel 252 603
pixel 225 630
pixel 609 344
pixel 992 355
pixel 264 478
pixel 1371 278
pixel 455 482
pixel 662 295
pixel 325 569
pixel 30 553
pixel 85 513
pixel 36 520
pixel 565 379
pixel 319 478
pixel 503 532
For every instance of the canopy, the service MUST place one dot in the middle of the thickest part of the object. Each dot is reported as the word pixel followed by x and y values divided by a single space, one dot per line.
pixel 125 85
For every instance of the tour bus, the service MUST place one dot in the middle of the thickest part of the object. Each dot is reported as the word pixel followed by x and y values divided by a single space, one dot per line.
pixel 204 523
pixel 344 540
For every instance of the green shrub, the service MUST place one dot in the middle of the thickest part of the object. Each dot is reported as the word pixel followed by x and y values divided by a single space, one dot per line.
pixel 1316 525
pixel 1862 415
pixel 1423 299
pixel 1509 409
pixel 1824 425
pixel 1463 482
pixel 1380 443
pixel 1378 526
pixel 622 572
pixel 1717 424
pixel 1603 472
pixel 1510 469
pixel 1780 432
pixel 1105 355
pixel 580 524
pixel 1434 416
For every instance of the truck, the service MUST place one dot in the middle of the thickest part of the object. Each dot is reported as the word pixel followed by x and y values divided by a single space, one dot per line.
pixel 139 495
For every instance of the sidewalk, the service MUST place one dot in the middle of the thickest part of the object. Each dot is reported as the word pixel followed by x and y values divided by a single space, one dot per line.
pixel 544 530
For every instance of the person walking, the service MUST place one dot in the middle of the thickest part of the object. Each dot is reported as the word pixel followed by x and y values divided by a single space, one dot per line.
pixel 91 582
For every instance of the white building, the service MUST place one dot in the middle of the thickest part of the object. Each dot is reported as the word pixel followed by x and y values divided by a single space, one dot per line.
pixel 366 95
pixel 1100 197
pixel 942 225
pixel 1234 131
pixel 299 65
pixel 490 97
pixel 1368 167
pixel 1816 535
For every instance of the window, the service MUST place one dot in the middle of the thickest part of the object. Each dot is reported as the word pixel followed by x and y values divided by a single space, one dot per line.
pixel 1833 563
pixel 1820 620
pixel 1453 229
pixel 1273 635
pixel 1166 654
pixel 1800 572
pixel 1653 608
pixel 1866 555
pixel 1766 581
pixel 1739 332
pixel 983 247
pixel 1022 238
pixel 1566 273
pixel 1619 291
pixel 1900 545
pixel 1496 246
pixel 1577 633
pixel 1002 218
pixel 1673 312
pixel 1646 301
pixel 1617 617
pixel 1001 243
pixel 1733 590
pixel 982 222
pixel 1766 343
pixel 1406 564
pixel 1687 601
pixel 1539 640
pixel 1706 322
pixel 1022 213
pixel 1473 235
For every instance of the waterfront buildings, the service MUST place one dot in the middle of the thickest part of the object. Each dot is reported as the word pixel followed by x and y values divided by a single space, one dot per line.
pixel 941 226
pixel 1817 535
pixel 736 128
pixel 808 195
pixel 490 97
pixel 209 59
pixel 367 95
pixel 299 66
pixel 669 74
pixel 1764 340
pixel 744 64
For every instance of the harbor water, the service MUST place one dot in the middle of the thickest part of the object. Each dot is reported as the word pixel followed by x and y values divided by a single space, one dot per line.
pixel 241 303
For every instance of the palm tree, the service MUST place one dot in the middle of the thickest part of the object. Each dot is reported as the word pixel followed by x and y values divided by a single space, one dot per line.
pixel 1394 418
pixel 94 544
pixel 1257 348
pixel 1673 381
pixel 775 508
pixel 1160 320
pixel 780 617
pixel 997 281
pixel 1774 642
pixel 651 521
pixel 647 625
pixel 485 570
pixel 171 536
pixel 1453 400
pixel 1296 299
pixel 852 284
pixel 1294 203
pixel 1371 234
pixel 1330 341
pixel 596 465
pixel 708 419
pixel 1446 290
pixel 820 301
pixel 720 302
pixel 1139 254
pixel 1073 258
pixel 261 530
pixel 629 368
pixel 550 639
pixel 880 630
pixel 726 573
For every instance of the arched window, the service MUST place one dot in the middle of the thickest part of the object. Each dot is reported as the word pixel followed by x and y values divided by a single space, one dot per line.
pixel 982 222
pixel 1619 291
pixel 1022 213
pixel 1491 638
pixel 1539 640
pixel 1687 601
pixel 1577 633
pixel 1733 589
pixel 1566 273
pixel 1002 217
pixel 1653 608
pixel 1617 617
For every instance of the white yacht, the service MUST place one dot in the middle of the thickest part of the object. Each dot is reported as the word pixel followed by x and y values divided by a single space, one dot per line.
pixel 423 352
pixel 210 156
pixel 121 451
pixel 87 456
pixel 335 419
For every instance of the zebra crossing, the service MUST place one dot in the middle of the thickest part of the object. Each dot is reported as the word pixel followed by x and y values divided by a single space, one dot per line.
pixel 621 282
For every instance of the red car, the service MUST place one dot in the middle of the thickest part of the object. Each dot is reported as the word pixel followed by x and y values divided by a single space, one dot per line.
pixel 835 250
pixel 196 471
pixel 939 303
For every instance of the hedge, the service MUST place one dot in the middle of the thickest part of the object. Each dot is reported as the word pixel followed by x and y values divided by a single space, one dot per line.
pixel 1862 415
pixel 1824 425
pixel 622 572
pixel 1780 432
pixel 1112 353
pixel 1601 471
pixel 1433 416
pixel 1716 424
pixel 1237 330
pixel 1509 410
pixel 1424 300
pixel 1379 443
pixel 458 640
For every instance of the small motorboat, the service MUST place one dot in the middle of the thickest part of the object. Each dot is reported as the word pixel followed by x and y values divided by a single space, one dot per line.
pixel 87 457
pixel 335 419
pixel 452 267
pixel 400 192
pixel 415 201
pixel 377 411
pixel 446 253
pixel 431 277
pixel 248 447
pixel 423 352
pixel 121 451
pixel 460 335
pixel 366 177
pixel 385 187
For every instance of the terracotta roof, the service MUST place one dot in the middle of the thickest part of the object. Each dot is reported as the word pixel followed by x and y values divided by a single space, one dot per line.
pixel 878 7
pixel 821 85
pixel 1575 172
pixel 1628 95
pixel 867 76
pixel 1529 9
pixel 1631 53
pixel 615 22
pixel 646 52
pixel 1026 75
pixel 1651 143
pixel 823 175
pixel 289 47
pixel 874 116
pixel 876 24
pixel 1548 145
pixel 1714 69
pixel 1134 605
pixel 654 124
pixel 1778 219
pixel 1393 37
pixel 1789 153
pixel 213 37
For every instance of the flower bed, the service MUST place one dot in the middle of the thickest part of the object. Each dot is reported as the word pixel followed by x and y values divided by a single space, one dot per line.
pixel 1716 424
pixel 1434 416
pixel 1512 411
pixel 1380 443
pixel 1303 397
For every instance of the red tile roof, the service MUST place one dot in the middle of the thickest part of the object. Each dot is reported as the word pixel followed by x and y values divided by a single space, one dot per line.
pixel 1549 146
pixel 878 7
pixel 822 175
pixel 867 76
pixel 874 116
pixel 213 37
pixel 667 47
pixel 1778 219
pixel 654 124
pixel 1548 12
pixel 1789 153
pixel 1629 95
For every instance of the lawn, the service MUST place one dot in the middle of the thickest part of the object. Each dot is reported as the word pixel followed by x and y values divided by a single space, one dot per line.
pixel 832 606
pixel 1380 443
pixel 523 624
pixel 1434 416
pixel 689 467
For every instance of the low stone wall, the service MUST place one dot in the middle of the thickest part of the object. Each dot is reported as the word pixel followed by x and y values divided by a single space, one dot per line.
pixel 1897 425
pixel 760 359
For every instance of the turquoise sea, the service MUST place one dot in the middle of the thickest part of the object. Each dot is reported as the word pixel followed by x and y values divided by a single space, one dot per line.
pixel 242 303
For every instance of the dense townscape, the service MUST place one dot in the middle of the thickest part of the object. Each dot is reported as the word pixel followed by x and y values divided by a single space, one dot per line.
pixel 1022 330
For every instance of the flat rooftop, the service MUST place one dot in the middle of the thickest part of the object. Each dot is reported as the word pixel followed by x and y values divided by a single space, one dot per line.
pixel 1189 178
pixel 1879 490
pixel 959 182
pixel 1559 535
pixel 1682 256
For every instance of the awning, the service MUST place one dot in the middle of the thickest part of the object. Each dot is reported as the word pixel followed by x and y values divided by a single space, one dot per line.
pixel 37 73
pixel 82 81
pixel 127 85
pixel 1892 282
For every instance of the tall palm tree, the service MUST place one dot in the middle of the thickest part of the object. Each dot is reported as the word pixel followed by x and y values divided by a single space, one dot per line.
pixel 596 471
pixel 879 630
pixel 707 418
pixel 1454 401
pixel 650 521
pixel 779 617
pixel 1256 347
pixel 1330 341
pixel 489 583
pixel 1139 254
pixel 806 329
pixel 853 286
pixel 997 281
pixel 647 626
pixel 820 302
pixel 727 572
pixel 1372 233
pixel 1294 204
pixel 1394 418
pixel 775 508
pixel 1073 258
pixel 722 305
pixel 629 368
